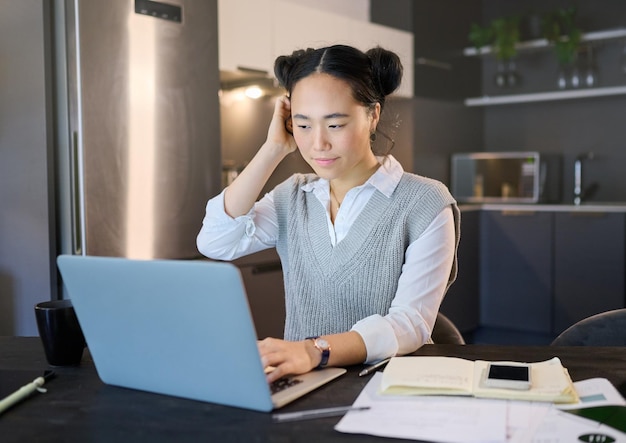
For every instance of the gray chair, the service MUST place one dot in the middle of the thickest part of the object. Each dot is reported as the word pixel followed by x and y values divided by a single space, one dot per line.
pixel 604 329
pixel 445 332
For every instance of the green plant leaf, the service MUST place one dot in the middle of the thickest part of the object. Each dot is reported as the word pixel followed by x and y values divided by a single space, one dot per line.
pixel 506 35
pixel 480 36
pixel 559 28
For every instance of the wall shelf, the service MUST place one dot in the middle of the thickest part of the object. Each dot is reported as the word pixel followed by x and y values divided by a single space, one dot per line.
pixel 595 36
pixel 545 96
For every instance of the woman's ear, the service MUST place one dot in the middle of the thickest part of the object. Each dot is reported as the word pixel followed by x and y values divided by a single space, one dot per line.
pixel 375 114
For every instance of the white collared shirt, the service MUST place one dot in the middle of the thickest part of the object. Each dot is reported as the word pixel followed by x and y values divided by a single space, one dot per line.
pixel 425 272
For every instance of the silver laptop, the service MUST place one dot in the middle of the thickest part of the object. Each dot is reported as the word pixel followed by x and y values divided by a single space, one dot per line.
pixel 174 327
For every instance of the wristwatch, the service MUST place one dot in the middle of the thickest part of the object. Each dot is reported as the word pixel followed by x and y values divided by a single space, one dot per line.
pixel 324 348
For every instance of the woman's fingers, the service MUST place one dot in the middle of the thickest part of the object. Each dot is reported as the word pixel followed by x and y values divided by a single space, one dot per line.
pixel 286 357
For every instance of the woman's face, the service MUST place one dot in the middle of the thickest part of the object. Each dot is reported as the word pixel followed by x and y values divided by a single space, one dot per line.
pixel 332 130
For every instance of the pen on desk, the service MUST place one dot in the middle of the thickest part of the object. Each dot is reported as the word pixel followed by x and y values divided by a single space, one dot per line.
pixel 316 413
pixel 373 367
pixel 25 391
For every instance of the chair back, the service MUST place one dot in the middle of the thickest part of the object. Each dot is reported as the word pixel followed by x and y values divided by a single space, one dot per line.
pixel 445 332
pixel 604 329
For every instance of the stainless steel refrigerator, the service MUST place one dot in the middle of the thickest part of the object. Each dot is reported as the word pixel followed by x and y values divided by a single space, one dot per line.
pixel 138 150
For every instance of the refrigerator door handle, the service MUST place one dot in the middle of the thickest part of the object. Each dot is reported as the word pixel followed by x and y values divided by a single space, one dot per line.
pixel 77 238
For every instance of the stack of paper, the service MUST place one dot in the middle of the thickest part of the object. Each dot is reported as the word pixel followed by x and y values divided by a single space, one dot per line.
pixel 466 419
pixel 456 376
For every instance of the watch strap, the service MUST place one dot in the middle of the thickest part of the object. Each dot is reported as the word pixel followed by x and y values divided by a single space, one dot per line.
pixel 324 350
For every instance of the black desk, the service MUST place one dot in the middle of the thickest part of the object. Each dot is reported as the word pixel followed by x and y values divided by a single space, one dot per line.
pixel 80 408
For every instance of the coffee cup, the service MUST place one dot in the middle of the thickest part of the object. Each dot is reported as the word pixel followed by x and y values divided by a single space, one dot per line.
pixel 61 335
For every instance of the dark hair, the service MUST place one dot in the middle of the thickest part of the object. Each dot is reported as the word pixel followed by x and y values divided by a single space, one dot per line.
pixel 372 75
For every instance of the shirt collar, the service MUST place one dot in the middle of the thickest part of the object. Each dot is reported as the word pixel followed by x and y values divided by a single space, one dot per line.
pixel 385 179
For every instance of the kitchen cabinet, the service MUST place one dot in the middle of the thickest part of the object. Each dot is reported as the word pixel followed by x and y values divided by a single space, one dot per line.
pixel 516 270
pixel 304 27
pixel 253 34
pixel 245 37
pixel 543 270
pixel 589 265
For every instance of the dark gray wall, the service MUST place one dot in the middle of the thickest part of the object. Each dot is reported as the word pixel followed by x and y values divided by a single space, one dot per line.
pixel 440 128
pixel 568 128
pixel 26 228
pixel 393 13
pixel 440 29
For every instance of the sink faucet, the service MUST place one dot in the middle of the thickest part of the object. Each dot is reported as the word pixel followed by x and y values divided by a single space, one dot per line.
pixel 578 176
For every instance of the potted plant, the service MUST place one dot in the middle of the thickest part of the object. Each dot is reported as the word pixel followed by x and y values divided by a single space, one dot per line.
pixel 506 35
pixel 502 34
pixel 559 28
pixel 480 36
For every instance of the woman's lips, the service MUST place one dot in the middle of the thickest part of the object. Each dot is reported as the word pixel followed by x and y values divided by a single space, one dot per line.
pixel 325 161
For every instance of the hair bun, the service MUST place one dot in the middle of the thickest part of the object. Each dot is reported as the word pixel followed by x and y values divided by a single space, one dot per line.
pixel 386 68
pixel 284 65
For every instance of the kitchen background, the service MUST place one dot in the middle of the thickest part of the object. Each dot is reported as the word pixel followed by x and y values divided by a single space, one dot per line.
pixel 442 112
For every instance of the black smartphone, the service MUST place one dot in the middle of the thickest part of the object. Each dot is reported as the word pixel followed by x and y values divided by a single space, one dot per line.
pixel 508 376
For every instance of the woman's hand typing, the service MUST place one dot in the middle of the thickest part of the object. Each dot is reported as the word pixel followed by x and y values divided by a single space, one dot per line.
pixel 288 357
pixel 298 357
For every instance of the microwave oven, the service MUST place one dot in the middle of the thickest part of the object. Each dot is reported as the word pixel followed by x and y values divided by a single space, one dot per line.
pixel 505 177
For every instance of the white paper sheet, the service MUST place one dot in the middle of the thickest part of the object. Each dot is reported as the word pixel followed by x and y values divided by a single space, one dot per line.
pixel 595 392
pixel 523 419
pixel 445 419
pixel 468 419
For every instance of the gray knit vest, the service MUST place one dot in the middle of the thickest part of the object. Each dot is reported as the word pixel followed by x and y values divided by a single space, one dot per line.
pixel 327 290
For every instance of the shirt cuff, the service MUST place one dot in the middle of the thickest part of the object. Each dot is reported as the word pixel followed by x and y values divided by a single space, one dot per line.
pixel 215 208
pixel 378 336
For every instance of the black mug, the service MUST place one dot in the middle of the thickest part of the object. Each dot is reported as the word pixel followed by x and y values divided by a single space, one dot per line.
pixel 60 332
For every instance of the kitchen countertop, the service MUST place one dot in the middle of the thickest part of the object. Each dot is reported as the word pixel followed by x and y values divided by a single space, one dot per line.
pixel 589 207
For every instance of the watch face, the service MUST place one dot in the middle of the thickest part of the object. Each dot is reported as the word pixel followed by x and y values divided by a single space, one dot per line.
pixel 322 344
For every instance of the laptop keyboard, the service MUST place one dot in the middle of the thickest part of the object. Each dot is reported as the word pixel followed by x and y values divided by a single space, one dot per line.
pixel 283 383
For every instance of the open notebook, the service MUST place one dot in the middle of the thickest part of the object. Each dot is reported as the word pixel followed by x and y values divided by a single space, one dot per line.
pixel 174 327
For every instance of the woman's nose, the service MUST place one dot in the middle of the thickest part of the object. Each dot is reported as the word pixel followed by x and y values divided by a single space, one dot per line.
pixel 320 141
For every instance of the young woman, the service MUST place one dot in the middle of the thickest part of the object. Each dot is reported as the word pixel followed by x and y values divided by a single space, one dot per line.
pixel 367 250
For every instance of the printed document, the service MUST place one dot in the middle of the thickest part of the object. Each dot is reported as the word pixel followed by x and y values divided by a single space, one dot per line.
pixel 449 419
pixel 460 419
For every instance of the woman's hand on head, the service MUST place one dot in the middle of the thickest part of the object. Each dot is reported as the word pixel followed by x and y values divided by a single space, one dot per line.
pixel 287 357
pixel 277 133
